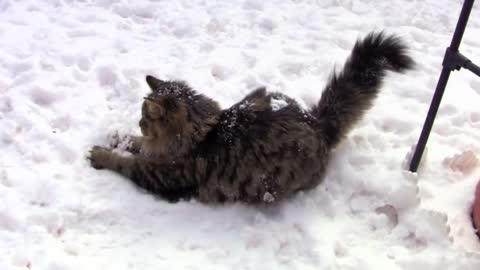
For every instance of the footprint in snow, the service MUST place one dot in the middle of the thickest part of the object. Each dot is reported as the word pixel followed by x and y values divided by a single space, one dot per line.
pixel 475 117
pixel 438 224
pixel 267 25
pixel 80 33
pixel 83 63
pixel 427 228
pixel 394 125
pixel 447 110
pixel 360 161
pixel 20 67
pixel 44 97
pixel 106 75
pixel 253 5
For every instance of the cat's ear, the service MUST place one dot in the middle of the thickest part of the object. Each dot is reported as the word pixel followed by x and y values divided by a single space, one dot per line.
pixel 154 83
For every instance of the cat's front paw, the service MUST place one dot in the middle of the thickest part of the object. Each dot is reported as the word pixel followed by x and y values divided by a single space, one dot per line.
pixel 99 157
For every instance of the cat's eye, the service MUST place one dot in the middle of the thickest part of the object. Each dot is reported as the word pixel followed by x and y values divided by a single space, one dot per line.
pixel 155 117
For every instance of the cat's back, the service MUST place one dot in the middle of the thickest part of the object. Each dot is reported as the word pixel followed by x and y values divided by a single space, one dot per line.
pixel 265 117
pixel 265 144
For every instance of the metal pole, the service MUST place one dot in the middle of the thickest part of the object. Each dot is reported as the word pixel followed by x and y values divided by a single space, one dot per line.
pixel 441 84
pixel 473 68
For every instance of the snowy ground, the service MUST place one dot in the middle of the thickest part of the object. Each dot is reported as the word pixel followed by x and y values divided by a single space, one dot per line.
pixel 72 72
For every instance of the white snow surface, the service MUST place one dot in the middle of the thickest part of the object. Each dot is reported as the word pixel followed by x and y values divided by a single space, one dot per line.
pixel 72 74
pixel 277 104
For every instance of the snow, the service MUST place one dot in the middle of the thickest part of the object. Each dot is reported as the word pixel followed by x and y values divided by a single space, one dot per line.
pixel 277 104
pixel 72 74
pixel 268 197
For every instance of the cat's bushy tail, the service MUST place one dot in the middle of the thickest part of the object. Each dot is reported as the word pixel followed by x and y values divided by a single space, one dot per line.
pixel 350 93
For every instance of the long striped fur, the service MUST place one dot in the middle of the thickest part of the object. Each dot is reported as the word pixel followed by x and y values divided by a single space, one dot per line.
pixel 262 149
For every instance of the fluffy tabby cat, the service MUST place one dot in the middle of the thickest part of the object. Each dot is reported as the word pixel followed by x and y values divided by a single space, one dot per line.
pixel 262 149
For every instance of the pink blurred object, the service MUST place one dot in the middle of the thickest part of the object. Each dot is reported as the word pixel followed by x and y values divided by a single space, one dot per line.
pixel 464 162
pixel 476 209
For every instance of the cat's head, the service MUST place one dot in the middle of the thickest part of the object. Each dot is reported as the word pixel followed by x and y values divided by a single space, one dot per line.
pixel 174 110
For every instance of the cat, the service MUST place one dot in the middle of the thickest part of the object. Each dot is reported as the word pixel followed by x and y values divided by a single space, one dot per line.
pixel 263 149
